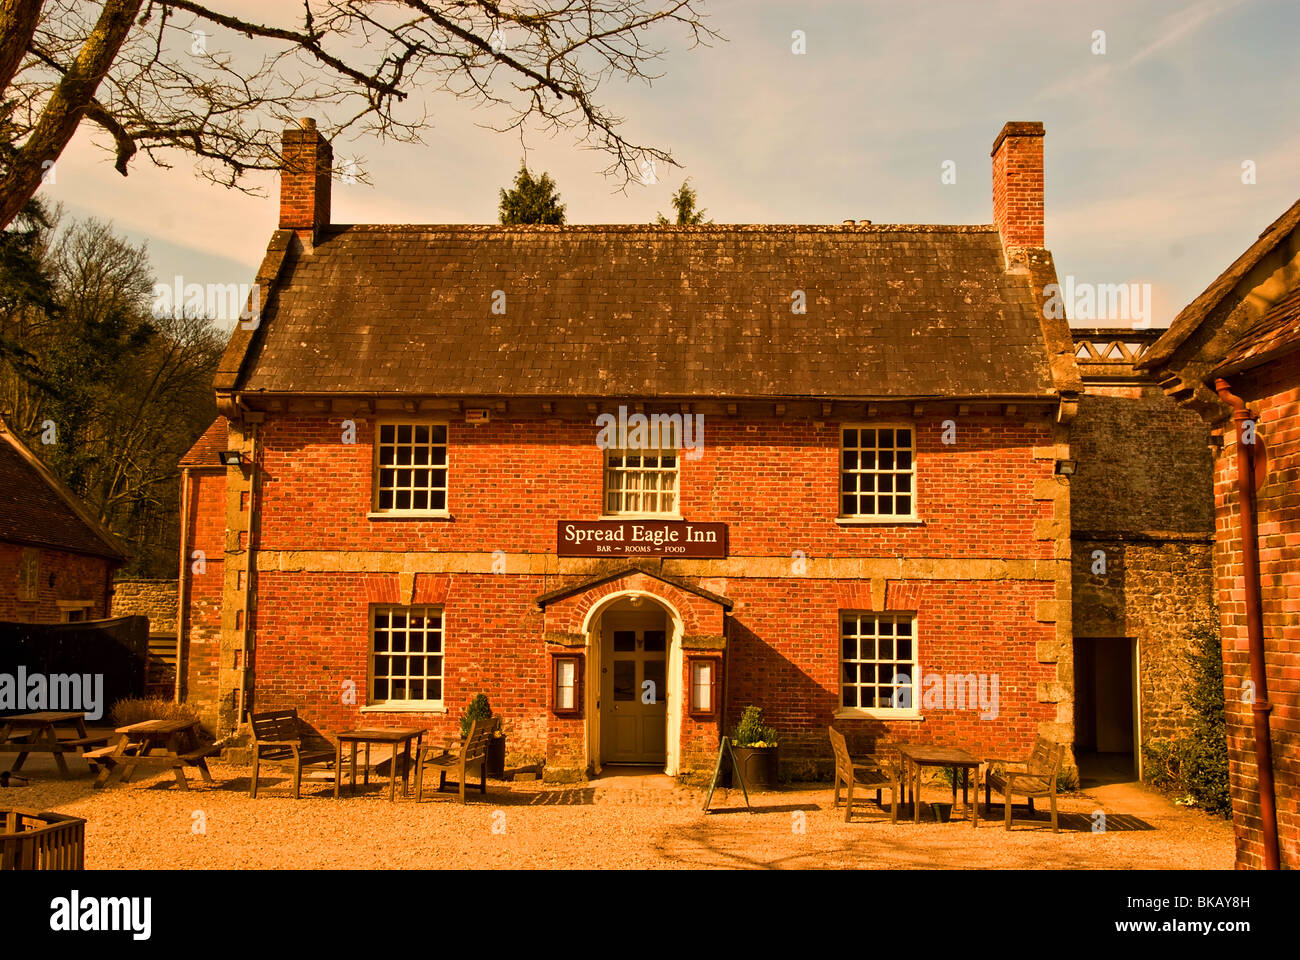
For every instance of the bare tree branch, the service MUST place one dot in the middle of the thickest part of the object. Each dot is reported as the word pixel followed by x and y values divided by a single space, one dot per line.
pixel 65 107
pixel 148 79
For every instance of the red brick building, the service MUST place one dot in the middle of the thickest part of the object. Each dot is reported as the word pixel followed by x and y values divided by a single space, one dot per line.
pixel 56 559
pixel 863 480
pixel 1243 335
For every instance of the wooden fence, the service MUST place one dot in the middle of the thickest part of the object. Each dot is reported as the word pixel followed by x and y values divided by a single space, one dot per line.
pixel 41 841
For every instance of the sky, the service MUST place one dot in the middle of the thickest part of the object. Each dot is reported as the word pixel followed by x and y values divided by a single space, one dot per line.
pixel 1145 143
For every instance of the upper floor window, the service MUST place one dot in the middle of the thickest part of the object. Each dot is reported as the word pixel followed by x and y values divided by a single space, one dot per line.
pixel 640 482
pixel 411 468
pixel 878 472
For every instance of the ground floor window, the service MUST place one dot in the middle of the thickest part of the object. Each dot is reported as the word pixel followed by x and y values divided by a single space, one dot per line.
pixel 406 656
pixel 75 611
pixel 877 661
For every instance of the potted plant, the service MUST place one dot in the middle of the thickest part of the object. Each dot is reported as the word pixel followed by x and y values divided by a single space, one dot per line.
pixel 480 709
pixel 755 748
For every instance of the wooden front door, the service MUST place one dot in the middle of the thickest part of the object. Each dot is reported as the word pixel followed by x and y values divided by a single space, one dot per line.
pixel 634 694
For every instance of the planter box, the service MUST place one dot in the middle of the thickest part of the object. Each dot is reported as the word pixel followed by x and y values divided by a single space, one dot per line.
pixel 41 841
pixel 496 758
pixel 758 765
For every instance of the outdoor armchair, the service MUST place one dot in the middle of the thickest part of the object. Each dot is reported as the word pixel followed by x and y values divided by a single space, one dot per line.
pixel 278 740
pixel 873 773
pixel 459 758
pixel 1037 779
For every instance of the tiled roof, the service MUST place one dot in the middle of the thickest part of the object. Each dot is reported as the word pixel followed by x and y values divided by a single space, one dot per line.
pixel 646 311
pixel 1275 333
pixel 205 449
pixel 38 510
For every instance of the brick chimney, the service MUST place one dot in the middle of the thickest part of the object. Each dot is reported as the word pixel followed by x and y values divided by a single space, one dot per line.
pixel 305 180
pixel 1018 185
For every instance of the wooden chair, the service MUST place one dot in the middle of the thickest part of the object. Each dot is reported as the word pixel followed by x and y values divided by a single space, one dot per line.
pixel 875 773
pixel 278 740
pixel 458 757
pixel 1037 779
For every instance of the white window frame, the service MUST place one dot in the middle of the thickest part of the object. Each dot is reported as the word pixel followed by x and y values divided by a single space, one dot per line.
pixel 425 705
pixel 913 516
pixel 375 489
pixel 674 514
pixel 878 713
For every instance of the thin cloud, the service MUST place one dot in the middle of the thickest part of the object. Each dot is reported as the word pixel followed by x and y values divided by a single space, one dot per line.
pixel 1171 30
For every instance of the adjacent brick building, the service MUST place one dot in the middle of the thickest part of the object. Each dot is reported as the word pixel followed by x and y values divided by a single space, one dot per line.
pixel 874 533
pixel 199 589
pixel 56 558
pixel 1243 334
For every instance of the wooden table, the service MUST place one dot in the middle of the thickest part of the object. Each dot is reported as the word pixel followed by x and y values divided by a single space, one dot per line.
pixel 918 755
pixel 388 735
pixel 27 733
pixel 153 743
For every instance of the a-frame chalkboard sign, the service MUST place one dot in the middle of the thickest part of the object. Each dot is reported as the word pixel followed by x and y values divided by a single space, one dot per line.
pixel 724 750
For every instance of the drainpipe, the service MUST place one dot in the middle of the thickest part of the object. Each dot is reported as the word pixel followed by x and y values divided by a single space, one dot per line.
pixel 254 466
pixel 182 585
pixel 1250 456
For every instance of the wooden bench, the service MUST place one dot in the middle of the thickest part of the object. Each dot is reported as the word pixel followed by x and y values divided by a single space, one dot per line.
pixel 278 740
pixel 170 744
pixel 95 755
pixel 25 734
pixel 1037 779
pixel 874 773
pixel 458 757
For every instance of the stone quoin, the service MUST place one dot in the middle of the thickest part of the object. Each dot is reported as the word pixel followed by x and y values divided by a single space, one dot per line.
pixel 877 480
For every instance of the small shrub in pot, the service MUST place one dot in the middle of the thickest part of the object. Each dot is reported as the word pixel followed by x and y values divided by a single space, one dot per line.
pixel 756 748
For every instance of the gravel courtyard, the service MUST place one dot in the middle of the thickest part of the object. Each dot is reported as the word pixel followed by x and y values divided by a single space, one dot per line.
pixel 614 822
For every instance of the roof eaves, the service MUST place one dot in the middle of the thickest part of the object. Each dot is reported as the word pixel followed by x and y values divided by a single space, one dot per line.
pixel 1228 368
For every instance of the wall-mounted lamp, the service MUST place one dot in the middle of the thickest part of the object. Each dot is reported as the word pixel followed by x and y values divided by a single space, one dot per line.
pixel 1066 468
pixel 231 458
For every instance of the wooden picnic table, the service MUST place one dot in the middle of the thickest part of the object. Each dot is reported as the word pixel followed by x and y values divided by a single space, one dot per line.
pixel 28 733
pixel 153 743
pixel 391 736
pixel 918 755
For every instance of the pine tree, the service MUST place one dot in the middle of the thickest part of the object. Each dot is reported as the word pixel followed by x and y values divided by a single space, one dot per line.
pixel 531 200
pixel 684 202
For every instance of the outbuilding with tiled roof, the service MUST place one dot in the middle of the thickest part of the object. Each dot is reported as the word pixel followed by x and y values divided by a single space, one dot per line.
pixel 56 558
